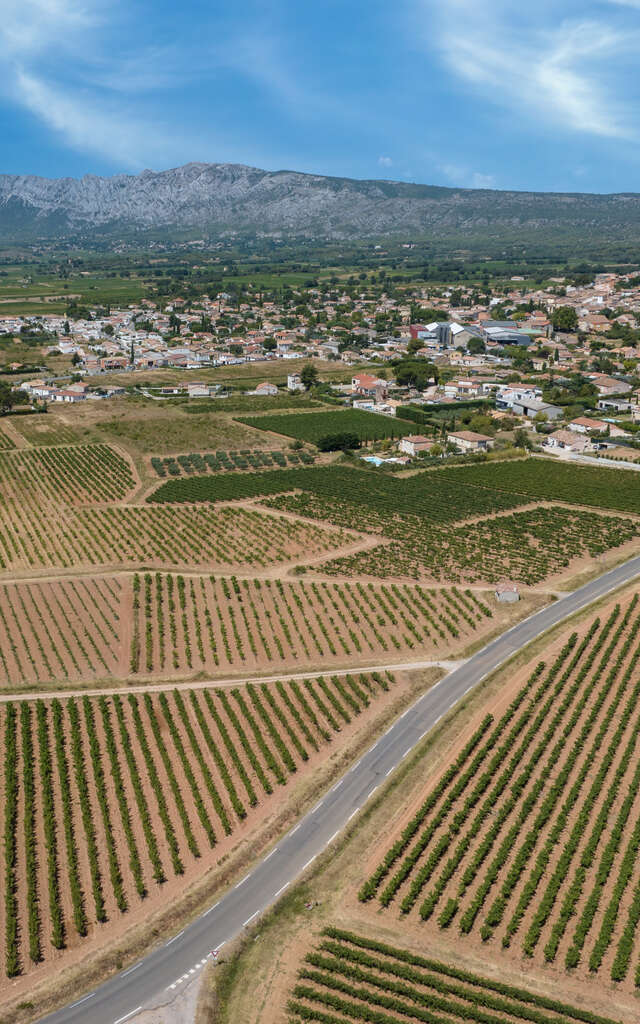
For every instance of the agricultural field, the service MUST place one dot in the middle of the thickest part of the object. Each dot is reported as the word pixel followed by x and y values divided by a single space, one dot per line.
pixel 6 440
pixel 528 547
pixel 163 625
pixel 344 495
pixel 312 426
pixel 63 506
pixel 437 525
pixel 48 429
pixel 72 629
pixel 216 462
pixel 126 535
pixel 239 402
pixel 545 480
pixel 347 977
pixel 188 623
pixel 527 844
pixel 114 801
pixel 70 475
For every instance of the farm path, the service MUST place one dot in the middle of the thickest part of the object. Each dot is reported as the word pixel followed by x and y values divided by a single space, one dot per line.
pixel 209 684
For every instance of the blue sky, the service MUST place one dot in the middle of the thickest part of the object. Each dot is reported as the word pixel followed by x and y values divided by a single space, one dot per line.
pixel 453 92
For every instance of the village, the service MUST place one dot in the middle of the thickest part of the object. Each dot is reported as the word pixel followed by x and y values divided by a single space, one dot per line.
pixel 559 361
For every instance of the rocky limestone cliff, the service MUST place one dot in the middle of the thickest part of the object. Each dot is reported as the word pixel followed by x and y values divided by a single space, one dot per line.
pixel 224 198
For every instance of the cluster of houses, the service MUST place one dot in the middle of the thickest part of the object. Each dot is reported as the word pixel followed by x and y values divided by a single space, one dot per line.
pixel 351 328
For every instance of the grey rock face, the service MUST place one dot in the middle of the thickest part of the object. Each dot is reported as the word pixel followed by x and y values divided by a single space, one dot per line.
pixel 223 198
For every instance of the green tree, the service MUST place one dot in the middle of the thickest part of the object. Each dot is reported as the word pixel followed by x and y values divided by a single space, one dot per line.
pixel 564 318
pixel 417 373
pixel 7 397
pixel 309 376
pixel 521 439
pixel 339 442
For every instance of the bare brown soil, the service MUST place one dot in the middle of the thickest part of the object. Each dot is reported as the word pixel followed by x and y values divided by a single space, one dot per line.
pixel 203 876
pixel 272 951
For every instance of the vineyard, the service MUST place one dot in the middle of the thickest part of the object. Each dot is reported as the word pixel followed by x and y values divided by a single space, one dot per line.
pixel 188 623
pixel 111 801
pixel 217 462
pixel 369 426
pixel 418 514
pixel 528 547
pixel 164 624
pixel 73 475
pixel 6 441
pixel 130 534
pixel 348 496
pixel 66 629
pixel 347 977
pixel 545 480
pixel 529 841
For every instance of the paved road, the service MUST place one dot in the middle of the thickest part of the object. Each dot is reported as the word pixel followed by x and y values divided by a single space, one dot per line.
pixel 173 963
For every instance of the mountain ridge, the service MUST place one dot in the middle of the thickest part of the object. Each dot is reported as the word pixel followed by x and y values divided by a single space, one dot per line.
pixel 237 199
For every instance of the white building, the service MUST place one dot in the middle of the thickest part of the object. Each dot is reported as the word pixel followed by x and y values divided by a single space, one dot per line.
pixel 294 383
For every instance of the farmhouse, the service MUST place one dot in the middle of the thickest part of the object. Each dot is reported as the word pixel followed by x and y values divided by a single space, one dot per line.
pixel 413 444
pixel 567 440
pixel 365 384
pixel 587 425
pixel 469 441
pixel 266 388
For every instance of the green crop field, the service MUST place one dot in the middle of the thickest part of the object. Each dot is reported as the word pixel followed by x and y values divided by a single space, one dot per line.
pixel 526 547
pixel 379 498
pixel 545 480
pixel 530 838
pixel 347 977
pixel 369 426
pixel 217 462
pixel 420 516
pixel 106 798
pixel 237 402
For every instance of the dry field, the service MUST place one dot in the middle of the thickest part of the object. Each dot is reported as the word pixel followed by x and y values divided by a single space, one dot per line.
pixel 526 847
pixel 164 626
pixel 213 624
pixel 44 429
pixel 347 976
pixel 63 507
pixel 113 805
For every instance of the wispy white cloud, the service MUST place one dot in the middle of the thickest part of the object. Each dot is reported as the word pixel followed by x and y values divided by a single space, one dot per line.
pixel 559 70
pixel 385 161
pixel 49 53
pixel 464 177
pixel 86 124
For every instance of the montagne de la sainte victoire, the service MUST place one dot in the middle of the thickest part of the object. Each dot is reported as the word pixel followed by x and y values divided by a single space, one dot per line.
pixel 229 199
